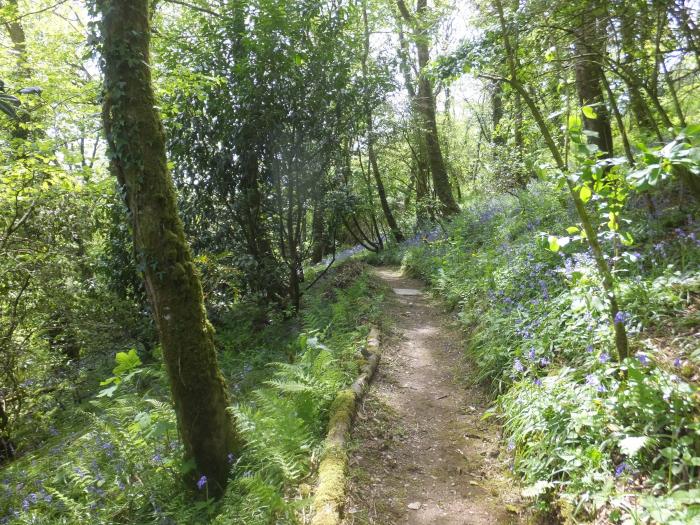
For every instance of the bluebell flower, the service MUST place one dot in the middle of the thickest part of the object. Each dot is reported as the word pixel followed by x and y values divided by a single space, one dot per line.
pixel 202 482
pixel 677 362
pixel 604 357
pixel 544 362
pixel 620 469
pixel 531 354
pixel 621 317
pixel 230 457
pixel 538 381
pixel 589 349
pixel 643 359
pixel 518 366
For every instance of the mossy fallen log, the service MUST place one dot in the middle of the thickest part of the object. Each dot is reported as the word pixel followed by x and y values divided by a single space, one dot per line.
pixel 329 496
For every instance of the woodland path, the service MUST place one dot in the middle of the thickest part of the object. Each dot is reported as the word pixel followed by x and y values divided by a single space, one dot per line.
pixel 421 453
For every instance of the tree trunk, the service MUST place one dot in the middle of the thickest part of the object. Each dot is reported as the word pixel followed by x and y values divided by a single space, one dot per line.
pixel 373 165
pixel 426 106
pixel 621 341
pixel 137 148
pixel 421 171
pixel 588 78
pixel 318 233
pixel 497 137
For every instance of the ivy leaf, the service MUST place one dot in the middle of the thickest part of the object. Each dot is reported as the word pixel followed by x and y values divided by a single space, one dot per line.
pixel 126 361
pixel 108 392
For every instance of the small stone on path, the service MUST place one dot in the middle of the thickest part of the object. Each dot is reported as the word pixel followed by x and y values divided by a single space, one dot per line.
pixel 415 505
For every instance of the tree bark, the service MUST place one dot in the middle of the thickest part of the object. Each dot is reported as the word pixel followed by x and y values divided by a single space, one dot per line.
pixel 589 51
pixel 421 169
pixel 426 106
pixel 137 150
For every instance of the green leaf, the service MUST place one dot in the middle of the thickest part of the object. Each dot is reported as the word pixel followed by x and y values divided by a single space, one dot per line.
pixel 553 243
pixel 631 445
pixel 108 392
pixel 126 361
pixel 670 453
pixel 572 230
pixel 589 112
pixel 627 239
pixel 585 194
pixel 575 123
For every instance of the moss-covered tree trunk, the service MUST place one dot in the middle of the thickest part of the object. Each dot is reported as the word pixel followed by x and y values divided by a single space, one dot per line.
pixel 420 169
pixel 137 150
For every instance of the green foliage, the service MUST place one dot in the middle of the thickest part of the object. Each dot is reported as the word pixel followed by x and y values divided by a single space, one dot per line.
pixel 583 431
pixel 117 457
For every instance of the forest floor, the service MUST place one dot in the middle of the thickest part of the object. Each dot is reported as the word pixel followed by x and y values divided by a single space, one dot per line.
pixel 421 452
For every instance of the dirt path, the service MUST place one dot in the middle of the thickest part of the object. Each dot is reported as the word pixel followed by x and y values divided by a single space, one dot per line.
pixel 421 452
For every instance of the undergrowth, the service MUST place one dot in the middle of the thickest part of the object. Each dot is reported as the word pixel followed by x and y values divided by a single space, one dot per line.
pixel 117 458
pixel 589 437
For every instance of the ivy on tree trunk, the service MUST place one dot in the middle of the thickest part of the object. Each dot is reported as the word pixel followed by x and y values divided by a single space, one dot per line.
pixel 137 153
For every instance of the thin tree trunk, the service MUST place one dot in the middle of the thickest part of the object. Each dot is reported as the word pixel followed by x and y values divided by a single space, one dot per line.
pixel 373 165
pixel 137 143
pixel 621 342
pixel 426 107
pixel 618 119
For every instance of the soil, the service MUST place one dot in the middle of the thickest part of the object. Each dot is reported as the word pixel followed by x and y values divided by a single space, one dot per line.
pixel 421 452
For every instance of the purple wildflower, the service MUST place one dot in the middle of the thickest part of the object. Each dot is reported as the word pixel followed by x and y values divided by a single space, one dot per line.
pixel 230 457
pixel 604 357
pixel 677 362
pixel 589 349
pixel 531 354
pixel 643 359
pixel 620 469
pixel 538 381
pixel 621 317
pixel 518 366
pixel 544 362
pixel 202 482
